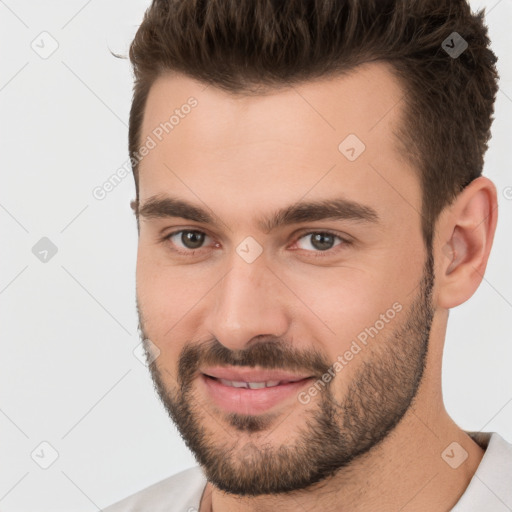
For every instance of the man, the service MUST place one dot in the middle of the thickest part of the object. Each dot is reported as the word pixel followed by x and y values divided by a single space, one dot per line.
pixel 310 206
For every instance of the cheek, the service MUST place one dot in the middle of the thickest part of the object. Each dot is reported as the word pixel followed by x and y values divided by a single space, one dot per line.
pixel 163 289
pixel 346 305
pixel 169 299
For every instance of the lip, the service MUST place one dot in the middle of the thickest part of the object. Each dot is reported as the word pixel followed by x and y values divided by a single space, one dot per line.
pixel 250 401
pixel 251 375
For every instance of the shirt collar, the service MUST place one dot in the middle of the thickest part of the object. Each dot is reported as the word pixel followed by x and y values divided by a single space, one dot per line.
pixel 491 486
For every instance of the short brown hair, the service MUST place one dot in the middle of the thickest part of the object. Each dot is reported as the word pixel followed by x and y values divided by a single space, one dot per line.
pixel 245 46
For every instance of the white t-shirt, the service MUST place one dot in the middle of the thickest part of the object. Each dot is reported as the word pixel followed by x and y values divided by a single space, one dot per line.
pixel 490 489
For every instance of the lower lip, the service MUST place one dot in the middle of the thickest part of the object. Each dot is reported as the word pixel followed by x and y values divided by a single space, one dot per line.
pixel 250 401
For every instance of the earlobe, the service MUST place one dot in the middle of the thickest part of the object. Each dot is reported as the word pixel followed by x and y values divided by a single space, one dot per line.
pixel 465 235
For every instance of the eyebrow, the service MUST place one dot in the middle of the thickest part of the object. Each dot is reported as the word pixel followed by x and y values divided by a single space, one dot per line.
pixel 328 209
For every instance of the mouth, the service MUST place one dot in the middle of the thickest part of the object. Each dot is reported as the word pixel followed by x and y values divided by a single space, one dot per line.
pixel 251 385
pixel 248 391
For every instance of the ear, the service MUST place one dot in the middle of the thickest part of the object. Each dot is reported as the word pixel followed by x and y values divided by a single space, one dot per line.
pixel 464 239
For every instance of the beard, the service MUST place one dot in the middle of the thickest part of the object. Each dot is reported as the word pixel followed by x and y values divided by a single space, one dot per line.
pixel 330 433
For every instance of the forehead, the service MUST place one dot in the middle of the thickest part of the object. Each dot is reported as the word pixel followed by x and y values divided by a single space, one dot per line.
pixel 360 101
pixel 288 142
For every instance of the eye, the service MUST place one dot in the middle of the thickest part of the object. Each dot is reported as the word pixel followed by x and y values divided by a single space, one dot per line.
pixel 322 241
pixel 192 240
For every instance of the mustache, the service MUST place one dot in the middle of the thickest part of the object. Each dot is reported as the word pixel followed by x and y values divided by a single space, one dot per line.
pixel 273 354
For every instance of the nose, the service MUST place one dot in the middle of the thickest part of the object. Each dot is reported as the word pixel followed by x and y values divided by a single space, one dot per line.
pixel 248 302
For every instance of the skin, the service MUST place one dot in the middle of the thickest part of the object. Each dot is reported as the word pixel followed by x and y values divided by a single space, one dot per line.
pixel 244 157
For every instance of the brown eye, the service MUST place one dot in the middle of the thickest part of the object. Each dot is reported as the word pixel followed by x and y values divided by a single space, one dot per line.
pixel 192 239
pixel 186 241
pixel 321 241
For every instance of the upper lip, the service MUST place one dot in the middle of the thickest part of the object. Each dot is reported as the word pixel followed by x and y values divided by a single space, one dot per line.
pixel 252 375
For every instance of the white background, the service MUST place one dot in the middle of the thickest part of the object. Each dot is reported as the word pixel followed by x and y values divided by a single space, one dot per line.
pixel 68 375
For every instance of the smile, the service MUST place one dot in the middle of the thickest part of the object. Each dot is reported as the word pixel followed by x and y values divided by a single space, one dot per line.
pixel 255 394
pixel 252 385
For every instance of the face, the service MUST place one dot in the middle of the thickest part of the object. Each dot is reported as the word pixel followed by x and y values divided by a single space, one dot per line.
pixel 281 274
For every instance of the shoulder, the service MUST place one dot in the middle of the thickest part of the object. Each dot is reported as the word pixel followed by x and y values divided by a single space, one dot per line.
pixel 181 491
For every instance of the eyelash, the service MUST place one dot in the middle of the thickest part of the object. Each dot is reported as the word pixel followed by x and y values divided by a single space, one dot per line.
pixel 328 252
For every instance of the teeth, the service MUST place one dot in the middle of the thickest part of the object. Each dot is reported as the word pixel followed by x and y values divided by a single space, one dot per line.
pixel 239 384
pixel 256 385
pixel 250 385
